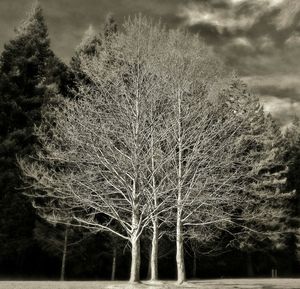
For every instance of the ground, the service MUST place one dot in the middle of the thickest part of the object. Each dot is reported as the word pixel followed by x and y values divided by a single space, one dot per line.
pixel 278 283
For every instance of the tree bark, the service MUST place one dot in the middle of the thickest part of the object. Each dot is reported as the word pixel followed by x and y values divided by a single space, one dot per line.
pixel 154 252
pixel 154 247
pixel 114 263
pixel 135 259
pixel 64 256
pixel 250 271
pixel 180 253
pixel 179 234
pixel 135 238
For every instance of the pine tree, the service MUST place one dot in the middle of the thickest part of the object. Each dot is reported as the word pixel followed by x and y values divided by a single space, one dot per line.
pixel 90 43
pixel 292 136
pixel 110 26
pixel 269 200
pixel 87 46
pixel 30 75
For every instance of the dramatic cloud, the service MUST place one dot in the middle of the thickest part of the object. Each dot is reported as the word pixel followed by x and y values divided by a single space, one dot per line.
pixel 260 39
pixel 284 109
pixel 285 87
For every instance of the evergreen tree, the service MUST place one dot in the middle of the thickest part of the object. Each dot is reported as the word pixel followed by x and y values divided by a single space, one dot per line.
pixel 30 75
pixel 293 184
pixel 269 200
pixel 87 46
pixel 110 26
pixel 90 43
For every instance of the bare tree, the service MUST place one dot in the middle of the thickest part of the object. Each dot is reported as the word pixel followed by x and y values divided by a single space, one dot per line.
pixel 199 142
pixel 213 164
pixel 93 161
pixel 158 188
pixel 149 141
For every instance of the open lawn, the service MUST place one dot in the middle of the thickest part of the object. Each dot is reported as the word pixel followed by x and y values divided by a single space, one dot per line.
pixel 201 284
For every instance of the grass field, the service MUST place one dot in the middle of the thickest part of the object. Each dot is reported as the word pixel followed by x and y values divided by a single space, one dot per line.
pixel 201 284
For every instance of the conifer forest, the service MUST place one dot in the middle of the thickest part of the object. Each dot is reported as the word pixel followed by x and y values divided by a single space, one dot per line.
pixel 145 156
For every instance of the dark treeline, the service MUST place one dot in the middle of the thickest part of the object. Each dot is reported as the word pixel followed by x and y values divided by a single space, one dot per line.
pixel 31 76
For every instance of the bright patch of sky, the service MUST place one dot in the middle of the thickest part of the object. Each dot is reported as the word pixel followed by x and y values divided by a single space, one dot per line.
pixel 194 14
pixel 270 2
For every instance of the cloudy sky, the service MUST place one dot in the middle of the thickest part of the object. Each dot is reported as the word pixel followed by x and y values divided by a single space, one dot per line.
pixel 259 39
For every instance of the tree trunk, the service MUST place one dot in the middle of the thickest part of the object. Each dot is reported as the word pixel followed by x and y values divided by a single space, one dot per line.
pixel 250 271
pixel 64 256
pixel 180 253
pixel 114 263
pixel 135 238
pixel 194 264
pixel 135 259
pixel 154 251
pixel 179 235
pixel 154 247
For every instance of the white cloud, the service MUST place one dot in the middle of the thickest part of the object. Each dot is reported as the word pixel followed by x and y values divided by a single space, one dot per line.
pixel 252 44
pixel 279 81
pixel 293 41
pixel 242 41
pixel 243 44
pixel 288 13
pixel 195 14
pixel 282 109
pixel 270 2
pixel 265 43
pixel 276 105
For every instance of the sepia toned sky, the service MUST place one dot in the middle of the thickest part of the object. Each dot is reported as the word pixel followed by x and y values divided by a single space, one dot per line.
pixel 259 39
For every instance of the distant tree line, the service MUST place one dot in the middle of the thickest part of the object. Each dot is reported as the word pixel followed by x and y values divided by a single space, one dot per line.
pixel 142 153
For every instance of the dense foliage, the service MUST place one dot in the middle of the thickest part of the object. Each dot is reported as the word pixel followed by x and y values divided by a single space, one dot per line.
pixel 30 75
